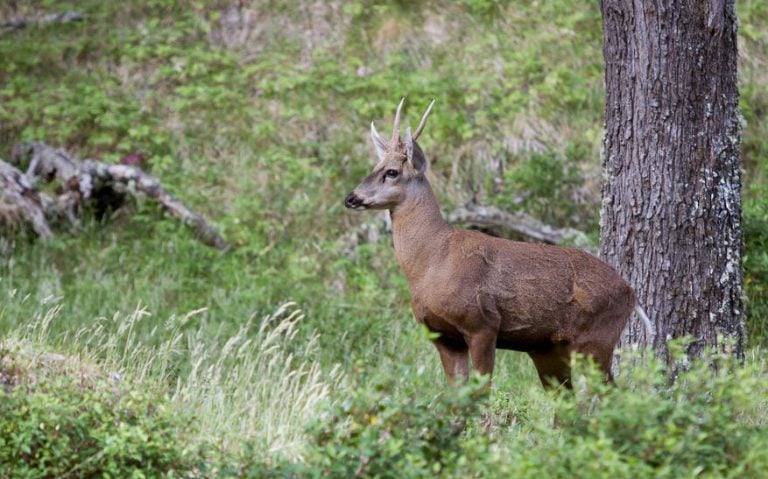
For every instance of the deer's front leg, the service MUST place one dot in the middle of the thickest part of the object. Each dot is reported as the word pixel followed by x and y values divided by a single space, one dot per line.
pixel 455 359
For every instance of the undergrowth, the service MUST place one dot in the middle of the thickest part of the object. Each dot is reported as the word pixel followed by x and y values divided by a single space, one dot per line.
pixel 69 416
pixel 255 386
pixel 256 114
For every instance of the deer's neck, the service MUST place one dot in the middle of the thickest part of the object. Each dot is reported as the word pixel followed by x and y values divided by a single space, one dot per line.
pixel 419 232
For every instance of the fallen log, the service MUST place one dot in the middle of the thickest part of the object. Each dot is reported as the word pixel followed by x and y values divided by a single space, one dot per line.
pixel 22 23
pixel 22 200
pixel 503 223
pixel 81 184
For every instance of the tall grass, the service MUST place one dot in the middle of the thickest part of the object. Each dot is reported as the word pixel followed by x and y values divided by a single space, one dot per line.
pixel 256 386
pixel 261 125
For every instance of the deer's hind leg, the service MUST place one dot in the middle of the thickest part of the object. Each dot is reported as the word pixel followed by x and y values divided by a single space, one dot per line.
pixel 482 350
pixel 600 343
pixel 602 354
pixel 553 366
pixel 455 358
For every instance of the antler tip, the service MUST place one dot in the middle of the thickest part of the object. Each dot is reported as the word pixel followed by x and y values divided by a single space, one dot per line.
pixel 423 122
pixel 396 127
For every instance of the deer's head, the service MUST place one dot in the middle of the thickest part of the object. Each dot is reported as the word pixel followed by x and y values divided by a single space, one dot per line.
pixel 399 173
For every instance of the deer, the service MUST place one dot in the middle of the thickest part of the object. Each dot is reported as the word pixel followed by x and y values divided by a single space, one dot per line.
pixel 478 293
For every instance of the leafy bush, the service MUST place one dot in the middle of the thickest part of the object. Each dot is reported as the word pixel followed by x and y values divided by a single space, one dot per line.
pixel 710 421
pixel 702 424
pixel 85 425
pixel 756 263
pixel 375 433
pixel 544 185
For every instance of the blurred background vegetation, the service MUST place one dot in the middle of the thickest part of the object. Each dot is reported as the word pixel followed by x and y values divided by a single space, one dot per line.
pixel 256 114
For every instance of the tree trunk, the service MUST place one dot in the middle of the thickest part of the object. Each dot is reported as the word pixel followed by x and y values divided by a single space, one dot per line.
pixel 671 213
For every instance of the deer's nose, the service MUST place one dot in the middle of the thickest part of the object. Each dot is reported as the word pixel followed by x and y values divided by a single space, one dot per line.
pixel 352 201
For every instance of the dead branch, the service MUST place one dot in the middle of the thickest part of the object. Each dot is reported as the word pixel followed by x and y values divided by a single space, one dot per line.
pixel 494 219
pixel 124 178
pixel 19 195
pixel 45 163
pixel 21 23
pixel 85 183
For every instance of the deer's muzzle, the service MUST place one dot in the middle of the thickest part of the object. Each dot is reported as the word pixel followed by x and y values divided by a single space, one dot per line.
pixel 354 202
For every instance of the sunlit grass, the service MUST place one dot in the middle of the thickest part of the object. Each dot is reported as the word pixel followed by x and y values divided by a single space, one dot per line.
pixel 136 299
pixel 256 386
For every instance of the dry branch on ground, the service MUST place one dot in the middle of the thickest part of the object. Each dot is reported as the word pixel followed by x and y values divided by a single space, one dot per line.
pixel 80 185
pixel 21 23
pixel 521 224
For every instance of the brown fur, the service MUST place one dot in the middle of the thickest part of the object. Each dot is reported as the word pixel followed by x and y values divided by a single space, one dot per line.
pixel 481 293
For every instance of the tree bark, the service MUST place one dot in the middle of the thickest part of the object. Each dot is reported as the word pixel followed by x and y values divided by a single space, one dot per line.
pixel 671 213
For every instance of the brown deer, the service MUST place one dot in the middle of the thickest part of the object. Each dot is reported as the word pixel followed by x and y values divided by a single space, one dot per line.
pixel 480 293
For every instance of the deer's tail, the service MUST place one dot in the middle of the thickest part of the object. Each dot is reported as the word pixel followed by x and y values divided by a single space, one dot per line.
pixel 648 324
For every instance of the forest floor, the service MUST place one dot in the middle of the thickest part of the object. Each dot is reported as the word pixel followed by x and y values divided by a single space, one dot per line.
pixel 295 352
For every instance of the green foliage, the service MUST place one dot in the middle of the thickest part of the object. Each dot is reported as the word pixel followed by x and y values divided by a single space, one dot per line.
pixel 259 122
pixel 543 185
pixel 708 422
pixel 651 426
pixel 79 425
pixel 756 262
pixel 374 433
pixel 753 102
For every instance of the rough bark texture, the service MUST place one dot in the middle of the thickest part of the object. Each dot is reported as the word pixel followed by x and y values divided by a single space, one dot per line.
pixel 671 214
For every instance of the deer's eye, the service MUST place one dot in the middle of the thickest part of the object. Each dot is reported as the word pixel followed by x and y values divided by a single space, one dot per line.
pixel 391 174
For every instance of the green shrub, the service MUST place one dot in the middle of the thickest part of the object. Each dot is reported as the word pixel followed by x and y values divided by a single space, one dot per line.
pixel 375 433
pixel 756 263
pixel 702 424
pixel 544 184
pixel 709 422
pixel 87 425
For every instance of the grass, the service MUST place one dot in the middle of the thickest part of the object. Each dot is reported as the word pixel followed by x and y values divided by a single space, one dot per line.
pixel 253 408
pixel 258 118
pixel 255 386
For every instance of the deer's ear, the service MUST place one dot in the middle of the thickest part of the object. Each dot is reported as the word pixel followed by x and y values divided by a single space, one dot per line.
pixel 414 154
pixel 378 142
